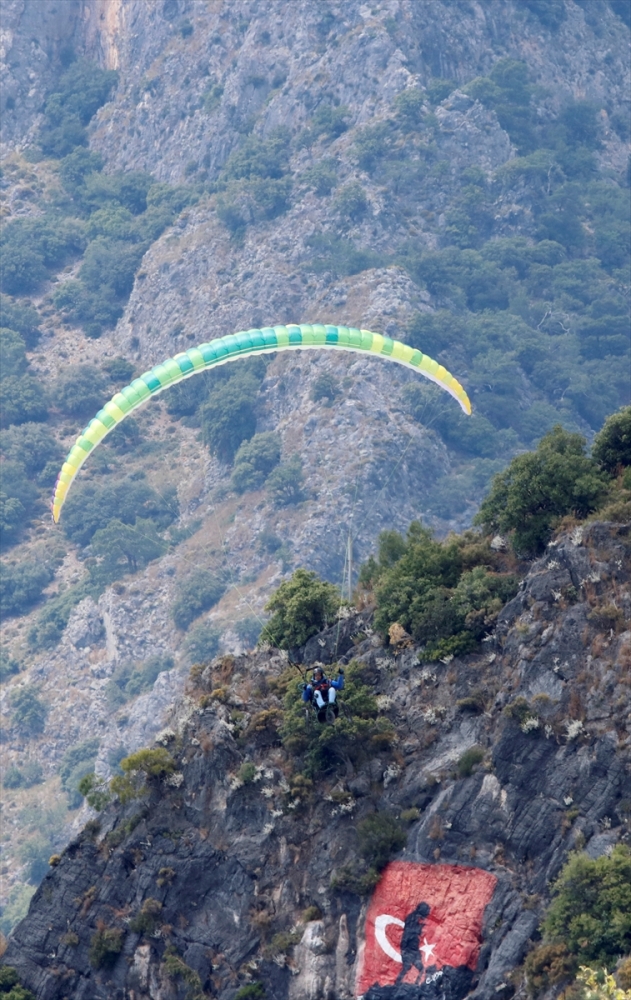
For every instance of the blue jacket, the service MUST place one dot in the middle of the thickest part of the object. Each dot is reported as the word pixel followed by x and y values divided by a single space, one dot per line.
pixel 307 691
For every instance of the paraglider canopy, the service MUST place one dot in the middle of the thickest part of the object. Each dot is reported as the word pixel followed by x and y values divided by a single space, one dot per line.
pixel 241 345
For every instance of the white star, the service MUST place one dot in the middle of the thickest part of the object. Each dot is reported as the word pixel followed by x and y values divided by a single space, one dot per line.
pixel 428 951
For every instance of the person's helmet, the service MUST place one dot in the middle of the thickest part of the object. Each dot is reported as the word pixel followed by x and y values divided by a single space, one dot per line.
pixel 318 670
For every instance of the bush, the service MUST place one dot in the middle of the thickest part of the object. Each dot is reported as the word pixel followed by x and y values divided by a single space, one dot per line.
pixel 380 836
pixel 326 387
pixel 90 507
pixel 29 712
pixel 81 91
pixel 228 418
pixel 202 643
pixel 153 763
pixel 95 791
pixel 285 483
pixel 21 586
pixel 426 587
pixel 254 460
pixel 53 618
pixel 105 947
pixel 591 907
pixel 22 318
pixel 34 854
pixel 12 353
pixel 198 593
pixel 548 966
pixel 22 400
pixel 301 607
pixel 249 630
pixel 30 774
pixel 539 488
pixel 31 248
pixel 612 445
pixel 469 760
pixel 123 548
pixel 373 144
pixel 322 177
pixel 356 735
pixel 247 772
pixel 258 157
pixel 80 391
pixel 32 445
pixel 8 666
pixel 328 121
pixel 131 679
pixel 76 762
pixel 253 991
pixel 351 202
pixel 147 919
pixel 551 13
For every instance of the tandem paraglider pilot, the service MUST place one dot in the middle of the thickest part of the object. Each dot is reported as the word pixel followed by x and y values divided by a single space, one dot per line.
pixel 322 690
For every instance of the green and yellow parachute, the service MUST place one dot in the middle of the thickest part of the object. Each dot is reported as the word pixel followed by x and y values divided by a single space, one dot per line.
pixel 242 345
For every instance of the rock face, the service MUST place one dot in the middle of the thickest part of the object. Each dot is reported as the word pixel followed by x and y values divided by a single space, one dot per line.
pixel 211 875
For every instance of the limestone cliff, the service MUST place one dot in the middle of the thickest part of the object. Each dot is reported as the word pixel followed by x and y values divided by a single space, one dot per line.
pixel 202 885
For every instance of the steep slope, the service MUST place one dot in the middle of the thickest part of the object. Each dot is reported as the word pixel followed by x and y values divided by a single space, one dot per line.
pixel 498 763
pixel 480 219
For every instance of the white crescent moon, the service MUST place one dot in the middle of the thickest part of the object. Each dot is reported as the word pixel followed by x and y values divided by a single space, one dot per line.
pixel 381 923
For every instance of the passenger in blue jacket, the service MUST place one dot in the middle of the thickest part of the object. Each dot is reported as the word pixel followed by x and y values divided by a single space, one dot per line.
pixel 322 690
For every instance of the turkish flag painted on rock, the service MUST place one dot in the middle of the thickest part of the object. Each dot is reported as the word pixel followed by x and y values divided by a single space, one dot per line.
pixel 424 922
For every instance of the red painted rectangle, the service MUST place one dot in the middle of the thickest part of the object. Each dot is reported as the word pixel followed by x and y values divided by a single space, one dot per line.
pixel 423 922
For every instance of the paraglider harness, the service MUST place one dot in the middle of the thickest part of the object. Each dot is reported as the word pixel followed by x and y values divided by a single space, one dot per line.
pixel 328 711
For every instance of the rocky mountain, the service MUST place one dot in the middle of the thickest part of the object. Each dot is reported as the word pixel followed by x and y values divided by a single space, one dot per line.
pixel 449 173
pixel 235 872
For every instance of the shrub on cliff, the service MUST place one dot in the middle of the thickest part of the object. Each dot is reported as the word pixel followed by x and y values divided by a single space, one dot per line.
pixel 443 593
pixel 105 947
pixel 10 988
pixel 539 488
pixel 301 607
pixel 612 445
pixel 591 907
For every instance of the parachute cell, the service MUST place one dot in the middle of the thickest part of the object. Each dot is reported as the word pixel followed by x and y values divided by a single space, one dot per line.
pixel 248 342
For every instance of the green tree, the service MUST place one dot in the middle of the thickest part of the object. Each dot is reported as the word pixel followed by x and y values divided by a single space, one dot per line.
pixel 228 418
pixel 539 488
pixel 301 607
pixel 21 586
pixel 254 460
pixel 351 202
pixel 326 387
pixel 124 548
pixel 34 853
pixel 404 589
pixel 197 593
pixel 612 445
pixel 76 762
pixel 23 399
pixel 285 483
pixel 22 318
pixel 31 444
pixel 92 506
pixel 81 90
pixel 202 643
pixel 80 390
pixel 591 907
pixel 29 712
pixel 12 353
